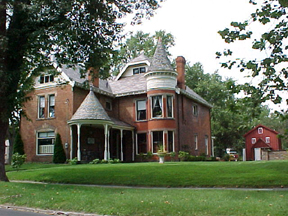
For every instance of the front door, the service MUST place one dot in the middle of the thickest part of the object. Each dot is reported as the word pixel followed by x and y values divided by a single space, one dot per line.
pixel 257 154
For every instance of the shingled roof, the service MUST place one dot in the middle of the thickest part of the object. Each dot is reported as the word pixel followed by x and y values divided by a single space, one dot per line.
pixel 160 61
pixel 90 109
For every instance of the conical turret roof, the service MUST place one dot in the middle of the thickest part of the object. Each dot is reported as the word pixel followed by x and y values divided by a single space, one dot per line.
pixel 160 61
pixel 91 109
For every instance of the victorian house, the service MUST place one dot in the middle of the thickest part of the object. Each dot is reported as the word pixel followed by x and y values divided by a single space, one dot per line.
pixel 145 108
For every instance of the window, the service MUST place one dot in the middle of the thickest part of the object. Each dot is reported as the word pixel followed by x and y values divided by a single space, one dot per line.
pixel 169 106
pixel 142 143
pixel 260 130
pixel 108 105
pixel 46 78
pixel 157 106
pixel 45 141
pixel 157 137
pixel 196 141
pixel 139 70
pixel 51 105
pixel 267 139
pixel 41 107
pixel 253 140
pixel 141 110
pixel 195 110
pixel 170 147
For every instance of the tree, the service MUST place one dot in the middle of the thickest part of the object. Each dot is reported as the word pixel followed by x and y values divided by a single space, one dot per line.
pixel 59 154
pixel 272 70
pixel 18 144
pixel 75 33
pixel 231 117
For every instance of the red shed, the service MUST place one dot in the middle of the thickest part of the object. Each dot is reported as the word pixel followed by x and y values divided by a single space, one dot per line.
pixel 261 138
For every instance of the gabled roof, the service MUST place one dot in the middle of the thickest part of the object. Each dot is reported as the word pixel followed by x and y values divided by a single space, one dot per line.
pixel 90 109
pixel 260 143
pixel 141 59
pixel 160 61
pixel 263 126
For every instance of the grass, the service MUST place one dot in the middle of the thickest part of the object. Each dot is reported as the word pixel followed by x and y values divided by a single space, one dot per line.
pixel 147 201
pixel 116 201
pixel 184 174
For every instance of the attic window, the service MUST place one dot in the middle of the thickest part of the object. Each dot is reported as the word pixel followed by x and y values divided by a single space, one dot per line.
pixel 253 140
pixel 108 105
pixel 139 70
pixel 46 78
pixel 267 139
pixel 260 130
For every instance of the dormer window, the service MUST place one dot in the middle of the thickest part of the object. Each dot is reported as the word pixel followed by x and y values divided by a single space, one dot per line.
pixel 46 79
pixel 139 70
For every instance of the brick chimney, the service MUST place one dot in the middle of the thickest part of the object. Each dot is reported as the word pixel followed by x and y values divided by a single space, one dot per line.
pixel 93 77
pixel 180 68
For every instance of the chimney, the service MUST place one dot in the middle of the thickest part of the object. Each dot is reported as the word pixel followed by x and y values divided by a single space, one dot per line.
pixel 93 77
pixel 180 68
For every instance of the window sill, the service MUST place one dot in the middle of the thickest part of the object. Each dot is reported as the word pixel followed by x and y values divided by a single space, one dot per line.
pixel 141 120
pixel 42 119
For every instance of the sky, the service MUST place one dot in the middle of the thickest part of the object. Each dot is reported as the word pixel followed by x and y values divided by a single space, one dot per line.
pixel 195 23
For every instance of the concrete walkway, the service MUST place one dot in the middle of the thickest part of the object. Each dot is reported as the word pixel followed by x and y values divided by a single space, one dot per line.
pixel 167 188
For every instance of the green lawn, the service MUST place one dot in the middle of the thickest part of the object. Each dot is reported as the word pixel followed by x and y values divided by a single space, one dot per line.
pixel 170 174
pixel 147 201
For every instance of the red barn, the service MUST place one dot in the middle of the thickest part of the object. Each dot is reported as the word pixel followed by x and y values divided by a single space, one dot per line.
pixel 259 139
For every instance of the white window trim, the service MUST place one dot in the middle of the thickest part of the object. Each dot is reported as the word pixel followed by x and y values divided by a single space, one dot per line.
pixel 173 140
pixel 253 140
pixel 172 98
pixel 152 139
pixel 196 141
pixel 260 130
pixel 136 109
pixel 48 110
pixel 267 139
pixel 38 106
pixel 151 102
pixel 37 144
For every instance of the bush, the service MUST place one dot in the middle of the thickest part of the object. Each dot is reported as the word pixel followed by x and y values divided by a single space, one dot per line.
pixel 96 161
pixel 59 155
pixel 17 160
pixel 18 145
pixel 226 157
pixel 73 161
pixel 183 156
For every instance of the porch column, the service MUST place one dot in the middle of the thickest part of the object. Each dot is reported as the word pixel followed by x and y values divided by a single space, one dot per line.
pixel 79 142
pixel 133 146
pixel 71 142
pixel 121 140
pixel 106 142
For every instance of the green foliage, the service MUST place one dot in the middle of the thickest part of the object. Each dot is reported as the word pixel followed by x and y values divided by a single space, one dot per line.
pixel 183 156
pixel 96 161
pixel 271 70
pixel 59 155
pixel 17 160
pixel 73 161
pixel 18 145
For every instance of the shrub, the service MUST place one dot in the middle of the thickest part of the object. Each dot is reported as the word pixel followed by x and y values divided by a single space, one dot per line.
pixel 104 161
pixel 226 157
pixel 18 145
pixel 73 161
pixel 17 160
pixel 96 161
pixel 184 156
pixel 59 154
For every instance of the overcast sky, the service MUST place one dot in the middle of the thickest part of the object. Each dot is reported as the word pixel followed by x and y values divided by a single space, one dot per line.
pixel 195 23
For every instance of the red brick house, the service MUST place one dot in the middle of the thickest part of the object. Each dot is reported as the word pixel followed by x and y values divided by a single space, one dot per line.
pixel 147 106
pixel 260 140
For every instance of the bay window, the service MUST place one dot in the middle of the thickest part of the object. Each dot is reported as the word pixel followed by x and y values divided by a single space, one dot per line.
pixel 169 106
pixel 157 141
pixel 170 147
pixel 157 109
